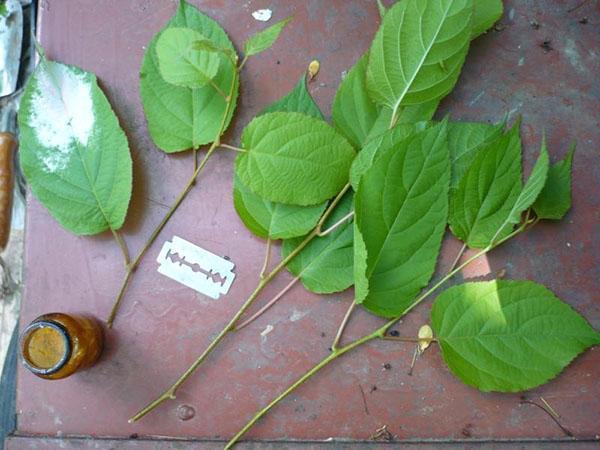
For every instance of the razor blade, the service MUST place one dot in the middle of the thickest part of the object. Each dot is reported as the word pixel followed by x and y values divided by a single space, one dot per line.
pixel 195 267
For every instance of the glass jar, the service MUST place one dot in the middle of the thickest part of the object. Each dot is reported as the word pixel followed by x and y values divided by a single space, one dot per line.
pixel 57 345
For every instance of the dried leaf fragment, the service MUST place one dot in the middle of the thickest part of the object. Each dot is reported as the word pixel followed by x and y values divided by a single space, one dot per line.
pixel 313 69
pixel 425 336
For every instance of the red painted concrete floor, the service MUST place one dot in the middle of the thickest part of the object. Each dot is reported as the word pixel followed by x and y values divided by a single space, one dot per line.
pixel 163 325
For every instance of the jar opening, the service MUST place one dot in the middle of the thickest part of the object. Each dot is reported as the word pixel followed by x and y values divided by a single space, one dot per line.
pixel 45 347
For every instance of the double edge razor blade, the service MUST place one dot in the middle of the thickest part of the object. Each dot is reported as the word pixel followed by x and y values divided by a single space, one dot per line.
pixel 195 267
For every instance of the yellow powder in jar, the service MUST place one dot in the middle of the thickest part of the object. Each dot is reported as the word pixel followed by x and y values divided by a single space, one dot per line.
pixel 45 347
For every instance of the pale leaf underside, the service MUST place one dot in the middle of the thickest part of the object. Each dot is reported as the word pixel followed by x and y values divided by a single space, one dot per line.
pixel 73 153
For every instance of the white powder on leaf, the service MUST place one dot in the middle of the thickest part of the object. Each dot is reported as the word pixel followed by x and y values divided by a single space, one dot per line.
pixel 62 113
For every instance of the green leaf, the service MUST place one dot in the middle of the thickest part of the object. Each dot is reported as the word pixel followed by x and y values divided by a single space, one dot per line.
pixel 360 119
pixel 180 63
pixel 353 112
pixel 180 118
pixel 73 153
pixel 297 100
pixel 530 191
pixel 381 8
pixel 264 39
pixel 507 336
pixel 401 208
pixel 465 140
pixel 326 264
pixel 293 158
pixel 361 281
pixel 418 51
pixel 485 14
pixel 273 220
pixel 278 220
pixel 555 199
pixel 487 192
pixel 379 145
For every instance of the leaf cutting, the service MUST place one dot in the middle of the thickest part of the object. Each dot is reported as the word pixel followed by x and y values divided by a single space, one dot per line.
pixel 364 201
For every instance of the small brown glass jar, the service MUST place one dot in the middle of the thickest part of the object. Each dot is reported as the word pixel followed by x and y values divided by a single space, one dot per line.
pixel 57 345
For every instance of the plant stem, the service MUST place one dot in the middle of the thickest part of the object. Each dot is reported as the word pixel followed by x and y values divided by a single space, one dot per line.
pixel 195 157
pixel 285 289
pixel 337 224
pixel 244 60
pixel 270 303
pixel 377 334
pixel 169 394
pixel 235 149
pixel 330 208
pixel 134 264
pixel 338 335
pixel 122 245
pixel 132 267
pixel 331 357
pixel 265 265
pixel 460 253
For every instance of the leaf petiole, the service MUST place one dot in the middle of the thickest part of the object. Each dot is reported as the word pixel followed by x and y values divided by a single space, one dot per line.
pixel 235 149
pixel 340 331
pixel 270 303
pixel 241 66
pixel 122 245
pixel 458 256
pixel 265 265
pixel 348 216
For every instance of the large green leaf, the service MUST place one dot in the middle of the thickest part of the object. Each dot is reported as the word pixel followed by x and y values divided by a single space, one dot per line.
pixel 401 208
pixel 378 146
pixel 264 39
pixel 555 199
pixel 418 51
pixel 465 140
pixel 487 192
pixel 278 220
pixel 293 158
pixel 485 14
pixel 73 152
pixel 297 100
pixel 359 118
pixel 274 220
pixel 507 335
pixel 180 118
pixel 180 63
pixel 326 264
